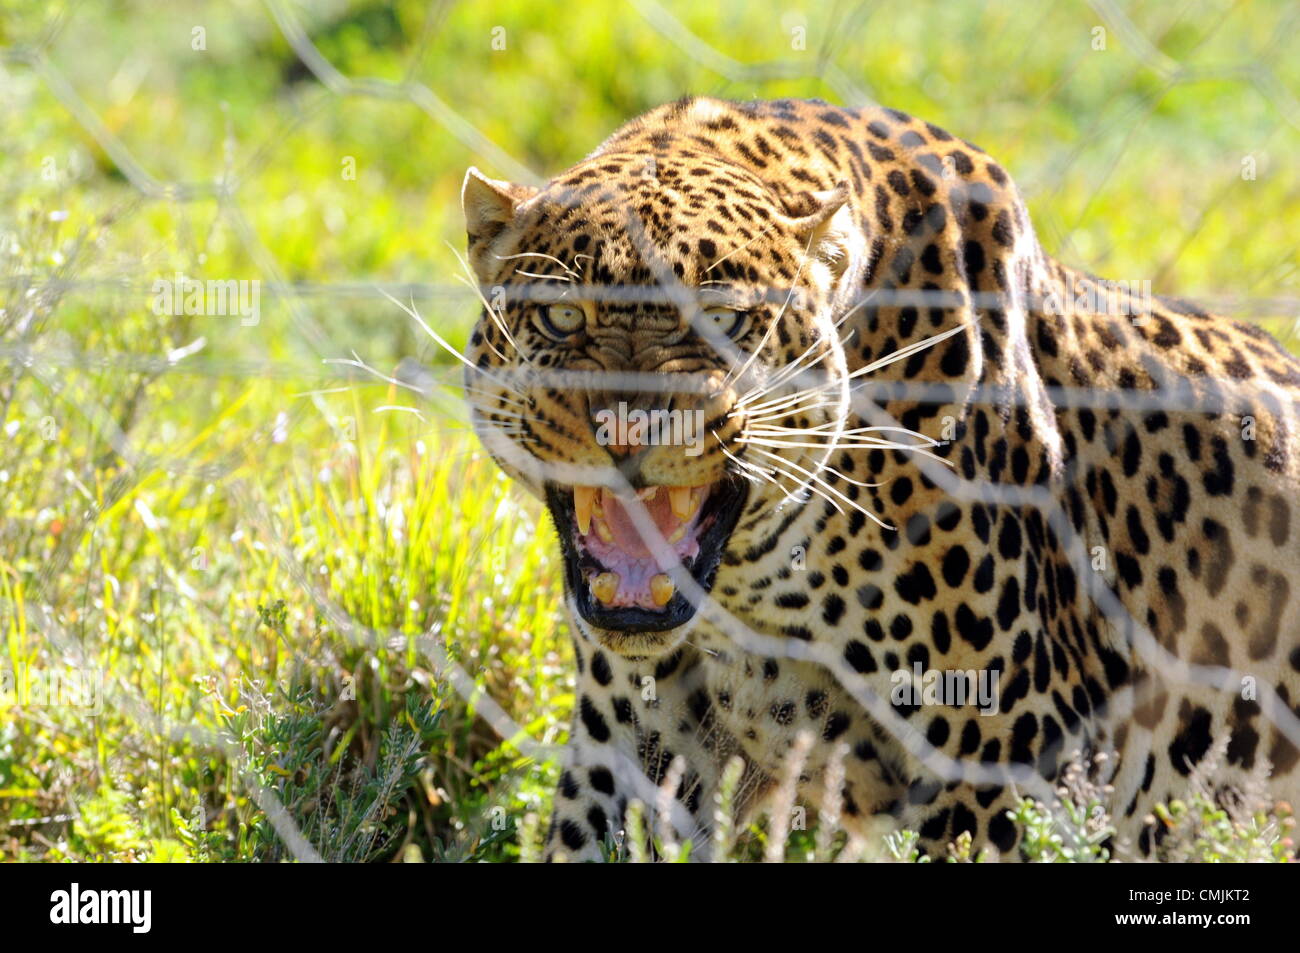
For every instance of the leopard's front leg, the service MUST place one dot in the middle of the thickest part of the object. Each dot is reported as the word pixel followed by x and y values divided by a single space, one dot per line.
pixel 631 721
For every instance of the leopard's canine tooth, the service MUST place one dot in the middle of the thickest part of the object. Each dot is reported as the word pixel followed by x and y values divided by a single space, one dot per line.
pixel 583 498
pixel 682 502
pixel 604 586
pixel 661 589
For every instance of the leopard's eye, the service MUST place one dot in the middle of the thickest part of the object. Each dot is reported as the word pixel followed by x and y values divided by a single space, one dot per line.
pixel 561 320
pixel 727 321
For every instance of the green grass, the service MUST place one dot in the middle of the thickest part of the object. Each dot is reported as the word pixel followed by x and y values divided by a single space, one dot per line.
pixel 255 557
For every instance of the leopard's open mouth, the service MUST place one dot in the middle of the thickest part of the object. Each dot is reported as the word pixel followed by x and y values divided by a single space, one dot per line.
pixel 611 570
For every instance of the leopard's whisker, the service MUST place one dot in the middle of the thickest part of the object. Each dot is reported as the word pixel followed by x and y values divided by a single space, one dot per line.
pixel 497 395
pixel 736 460
pixel 855 442
pixel 776 318
pixel 780 414
pixel 794 368
pixel 769 430
pixel 495 412
pixel 787 404
pixel 769 419
pixel 855 505
pixel 533 274
pixel 909 350
pixel 830 441
pixel 415 315
pixel 735 251
pixel 831 444
pixel 800 485
pixel 706 650
pixel 538 254
pixel 511 427
pixel 888 429
pixel 769 407
pixel 764 473
pixel 467 279
pixel 874 445
pixel 496 317
pixel 358 363
pixel 826 467
pixel 766 391
pixel 389 408
pixel 495 350
pixel 772 403
pixel 808 485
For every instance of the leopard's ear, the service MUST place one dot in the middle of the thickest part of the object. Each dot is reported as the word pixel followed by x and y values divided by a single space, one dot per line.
pixel 489 206
pixel 824 222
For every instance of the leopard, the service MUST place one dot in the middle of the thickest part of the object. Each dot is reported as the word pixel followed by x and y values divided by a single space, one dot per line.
pixel 862 495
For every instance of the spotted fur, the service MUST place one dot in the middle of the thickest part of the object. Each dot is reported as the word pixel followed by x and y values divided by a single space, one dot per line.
pixel 1104 553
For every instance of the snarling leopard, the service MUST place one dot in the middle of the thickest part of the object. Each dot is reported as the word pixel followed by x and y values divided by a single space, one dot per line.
pixel 847 472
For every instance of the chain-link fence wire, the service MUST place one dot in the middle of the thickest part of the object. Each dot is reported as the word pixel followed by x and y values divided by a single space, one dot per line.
pixel 301 301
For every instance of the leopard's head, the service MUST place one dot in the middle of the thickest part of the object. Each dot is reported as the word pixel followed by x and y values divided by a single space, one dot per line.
pixel 655 330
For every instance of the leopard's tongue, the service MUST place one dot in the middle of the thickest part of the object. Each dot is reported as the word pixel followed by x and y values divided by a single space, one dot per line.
pixel 626 535
pixel 631 575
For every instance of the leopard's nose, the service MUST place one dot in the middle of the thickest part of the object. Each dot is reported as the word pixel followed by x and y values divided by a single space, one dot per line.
pixel 621 421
